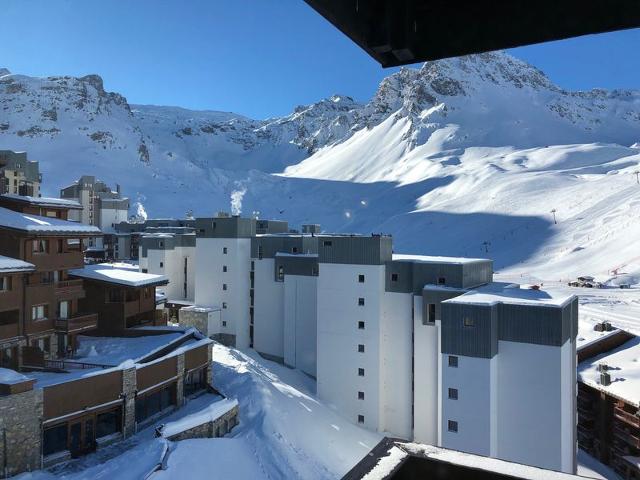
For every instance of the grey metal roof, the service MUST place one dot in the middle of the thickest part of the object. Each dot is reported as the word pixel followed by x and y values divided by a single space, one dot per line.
pixel 303 265
pixel 268 246
pixel 225 227
pixel 271 226
pixel 354 249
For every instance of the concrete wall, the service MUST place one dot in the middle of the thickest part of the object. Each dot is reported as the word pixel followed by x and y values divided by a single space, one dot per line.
pixel 20 432
pixel 170 262
pixel 268 316
pixel 300 322
pixel 475 380
pixel 210 279
pixel 339 337
pixel 215 428
pixel 396 348
pixel 535 405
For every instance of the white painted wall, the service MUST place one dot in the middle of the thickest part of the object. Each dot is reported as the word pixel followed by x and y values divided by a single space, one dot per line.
pixel 268 311
pixel 474 380
pixel 300 322
pixel 426 394
pixel 339 336
pixel 535 405
pixel 110 217
pixel 170 262
pixel 210 279
pixel 395 364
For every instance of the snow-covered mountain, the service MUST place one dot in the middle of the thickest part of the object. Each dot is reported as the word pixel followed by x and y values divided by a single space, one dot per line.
pixel 463 156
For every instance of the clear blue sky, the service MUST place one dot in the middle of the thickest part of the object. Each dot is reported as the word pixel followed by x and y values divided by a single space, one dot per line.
pixel 259 58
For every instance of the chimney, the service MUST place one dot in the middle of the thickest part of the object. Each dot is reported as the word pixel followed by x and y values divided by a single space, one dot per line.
pixel 605 379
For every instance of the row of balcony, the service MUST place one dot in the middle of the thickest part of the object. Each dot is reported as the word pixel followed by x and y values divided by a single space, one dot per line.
pixel 76 323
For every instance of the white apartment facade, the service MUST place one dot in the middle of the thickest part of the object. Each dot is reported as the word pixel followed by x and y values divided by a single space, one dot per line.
pixel 381 333
pixel 172 255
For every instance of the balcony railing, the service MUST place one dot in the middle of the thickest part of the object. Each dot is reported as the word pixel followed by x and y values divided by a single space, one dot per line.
pixel 39 326
pixel 627 437
pixel 624 416
pixel 69 288
pixel 77 323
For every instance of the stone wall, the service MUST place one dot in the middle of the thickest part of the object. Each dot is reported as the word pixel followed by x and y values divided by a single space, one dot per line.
pixel 129 386
pixel 20 432
pixel 194 318
pixel 217 428
pixel 227 339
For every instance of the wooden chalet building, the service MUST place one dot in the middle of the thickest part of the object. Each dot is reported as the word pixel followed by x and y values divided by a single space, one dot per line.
pixel 49 319
pixel 122 296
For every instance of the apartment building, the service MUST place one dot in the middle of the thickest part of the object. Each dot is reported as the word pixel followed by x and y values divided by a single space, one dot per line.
pixel 122 296
pixel 18 175
pixel 282 310
pixel 101 207
pixel 223 251
pixel 50 316
pixel 127 236
pixel 429 349
pixel 609 402
pixel 170 251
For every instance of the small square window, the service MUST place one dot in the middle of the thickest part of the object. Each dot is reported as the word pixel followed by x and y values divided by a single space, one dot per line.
pixel 224 304
pixel 327 243
pixel 360 418
pixel 224 286
pixel 361 348
pixel 452 426
pixel 224 268
pixel 360 395
pixel 469 322
pixel 361 301
pixel 294 249
pixel 441 281
pixel 161 264
pixel 224 323
pixel 360 278
pixel 453 393
pixel 361 372
pixel 394 277
pixel 361 325
pixel 453 361
pixel 224 250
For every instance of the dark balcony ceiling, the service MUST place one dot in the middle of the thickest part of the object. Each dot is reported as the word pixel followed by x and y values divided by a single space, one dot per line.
pixel 399 32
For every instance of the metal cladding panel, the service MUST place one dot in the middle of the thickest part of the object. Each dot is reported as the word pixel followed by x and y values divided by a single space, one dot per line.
pixel 226 227
pixel 479 340
pixel 355 250
pixel 430 273
pixel 404 273
pixel 540 325
pixel 437 296
pixel 477 273
pixel 303 265
pixel 570 320
pixel 271 226
pixel 268 247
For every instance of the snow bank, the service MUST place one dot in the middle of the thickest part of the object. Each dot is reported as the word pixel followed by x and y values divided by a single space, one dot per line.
pixel 209 414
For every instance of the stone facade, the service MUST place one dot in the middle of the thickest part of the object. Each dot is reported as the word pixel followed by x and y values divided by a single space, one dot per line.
pixel 129 386
pixel 21 432
pixel 217 428
pixel 227 339
pixel 180 380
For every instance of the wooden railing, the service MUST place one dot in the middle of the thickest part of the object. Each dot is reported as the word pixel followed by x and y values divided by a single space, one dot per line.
pixel 630 418
pixel 63 364
pixel 9 331
pixel 77 322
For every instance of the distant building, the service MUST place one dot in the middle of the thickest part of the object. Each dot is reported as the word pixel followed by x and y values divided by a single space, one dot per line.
pixel 101 207
pixel 18 175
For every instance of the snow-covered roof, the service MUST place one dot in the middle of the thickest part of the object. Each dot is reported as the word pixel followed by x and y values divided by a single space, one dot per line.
pixel 513 294
pixel 200 309
pixel 209 414
pixel 8 376
pixel 11 265
pixel 44 201
pixel 396 453
pixel 436 259
pixel 285 254
pixel 624 363
pixel 37 224
pixel 119 273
